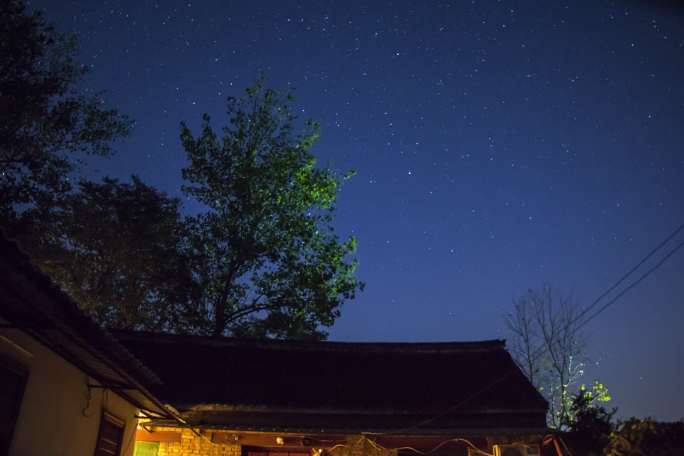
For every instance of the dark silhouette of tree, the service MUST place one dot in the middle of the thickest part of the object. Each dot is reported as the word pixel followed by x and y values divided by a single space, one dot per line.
pixel 116 248
pixel 46 124
pixel 638 437
pixel 113 246
pixel 592 424
pixel 262 260
pixel 264 253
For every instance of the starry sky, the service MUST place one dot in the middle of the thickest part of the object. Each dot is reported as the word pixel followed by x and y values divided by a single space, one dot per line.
pixel 498 145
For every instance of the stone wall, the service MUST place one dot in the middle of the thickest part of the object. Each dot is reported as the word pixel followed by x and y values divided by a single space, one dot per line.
pixel 191 444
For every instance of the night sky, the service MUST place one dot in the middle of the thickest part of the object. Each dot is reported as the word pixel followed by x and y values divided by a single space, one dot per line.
pixel 498 146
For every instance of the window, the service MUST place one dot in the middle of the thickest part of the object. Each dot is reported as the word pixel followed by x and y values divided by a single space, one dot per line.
pixel 110 436
pixel 13 380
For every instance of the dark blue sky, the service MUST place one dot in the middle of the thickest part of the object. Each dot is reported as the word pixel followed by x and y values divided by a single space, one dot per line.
pixel 498 145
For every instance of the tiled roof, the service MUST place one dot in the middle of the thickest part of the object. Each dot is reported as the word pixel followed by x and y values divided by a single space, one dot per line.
pixel 250 382
pixel 31 302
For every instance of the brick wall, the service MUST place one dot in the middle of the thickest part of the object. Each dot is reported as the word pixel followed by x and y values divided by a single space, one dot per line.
pixel 191 444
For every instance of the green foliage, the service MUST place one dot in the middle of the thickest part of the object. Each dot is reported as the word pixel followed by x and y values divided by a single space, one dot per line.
pixel 264 253
pixel 262 260
pixel 593 431
pixel 597 394
pixel 637 437
pixel 114 247
pixel 45 124
pixel 591 424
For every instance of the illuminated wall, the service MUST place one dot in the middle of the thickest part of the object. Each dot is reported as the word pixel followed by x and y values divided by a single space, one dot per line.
pixel 59 415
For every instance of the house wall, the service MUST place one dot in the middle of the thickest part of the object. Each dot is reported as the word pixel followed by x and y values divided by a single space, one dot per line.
pixel 190 444
pixel 59 414
pixel 361 446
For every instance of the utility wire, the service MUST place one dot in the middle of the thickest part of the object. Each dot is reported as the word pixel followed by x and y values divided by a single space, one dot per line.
pixel 536 354
pixel 576 320
pixel 542 348
pixel 632 285
pixel 628 273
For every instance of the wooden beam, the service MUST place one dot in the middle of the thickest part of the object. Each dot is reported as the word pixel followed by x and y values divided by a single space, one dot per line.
pixel 267 440
pixel 158 436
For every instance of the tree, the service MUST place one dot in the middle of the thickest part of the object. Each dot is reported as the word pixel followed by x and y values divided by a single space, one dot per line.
pixel 112 246
pixel 547 347
pixel 592 425
pixel 265 254
pixel 116 249
pixel 639 437
pixel 263 260
pixel 46 125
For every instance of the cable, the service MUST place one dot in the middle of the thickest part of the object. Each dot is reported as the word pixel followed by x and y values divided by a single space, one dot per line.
pixel 382 448
pixel 632 285
pixel 628 273
pixel 667 256
pixel 453 407
pixel 456 440
pixel 552 439
pixel 542 348
pixel 565 445
pixel 624 291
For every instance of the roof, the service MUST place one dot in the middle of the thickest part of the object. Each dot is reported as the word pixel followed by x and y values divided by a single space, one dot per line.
pixel 414 388
pixel 32 303
pixel 260 384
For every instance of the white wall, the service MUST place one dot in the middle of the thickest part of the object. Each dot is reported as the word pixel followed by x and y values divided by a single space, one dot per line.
pixel 56 417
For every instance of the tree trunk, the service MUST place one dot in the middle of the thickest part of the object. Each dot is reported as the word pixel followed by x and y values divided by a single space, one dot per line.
pixel 219 318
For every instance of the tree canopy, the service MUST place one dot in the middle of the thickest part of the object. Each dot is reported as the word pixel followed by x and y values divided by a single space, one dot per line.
pixel 111 245
pixel 46 124
pixel 115 247
pixel 265 254
pixel 261 259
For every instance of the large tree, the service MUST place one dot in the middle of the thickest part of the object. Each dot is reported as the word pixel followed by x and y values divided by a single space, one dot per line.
pixel 262 260
pixel 113 246
pixel 264 253
pixel 47 125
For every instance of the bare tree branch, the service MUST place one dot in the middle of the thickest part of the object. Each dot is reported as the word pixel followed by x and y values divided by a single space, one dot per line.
pixel 547 347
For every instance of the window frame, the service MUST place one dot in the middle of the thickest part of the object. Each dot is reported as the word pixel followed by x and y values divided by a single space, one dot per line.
pixel 117 422
pixel 22 373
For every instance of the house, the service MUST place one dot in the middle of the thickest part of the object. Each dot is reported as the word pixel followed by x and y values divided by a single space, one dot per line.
pixel 290 398
pixel 66 386
pixel 69 387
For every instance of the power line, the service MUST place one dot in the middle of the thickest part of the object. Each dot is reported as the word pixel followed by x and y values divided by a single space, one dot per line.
pixel 632 285
pixel 542 348
pixel 624 291
pixel 648 256
pixel 628 273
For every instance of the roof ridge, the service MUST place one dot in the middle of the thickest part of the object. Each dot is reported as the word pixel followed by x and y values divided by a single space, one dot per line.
pixel 493 344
